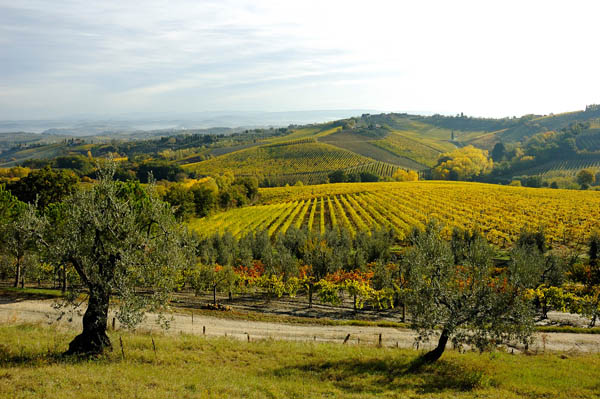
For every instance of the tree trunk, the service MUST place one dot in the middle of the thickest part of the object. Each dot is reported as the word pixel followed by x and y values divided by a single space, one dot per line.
pixel 63 287
pixel 436 353
pixel 403 312
pixel 544 310
pixel 215 295
pixel 310 295
pixel 18 272
pixel 93 340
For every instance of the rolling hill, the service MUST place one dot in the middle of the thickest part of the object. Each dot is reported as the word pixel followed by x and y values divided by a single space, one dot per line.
pixel 378 143
pixel 288 162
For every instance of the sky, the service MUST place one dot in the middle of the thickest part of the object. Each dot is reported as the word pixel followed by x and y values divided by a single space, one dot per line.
pixel 117 57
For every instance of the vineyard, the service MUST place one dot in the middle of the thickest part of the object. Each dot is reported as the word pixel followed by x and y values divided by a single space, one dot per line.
pixel 367 146
pixel 312 132
pixel 381 169
pixel 565 167
pixel 500 212
pixel 277 159
pixel 590 141
pixel 418 150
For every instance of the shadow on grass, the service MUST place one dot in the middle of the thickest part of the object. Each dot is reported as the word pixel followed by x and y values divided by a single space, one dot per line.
pixel 10 358
pixel 381 375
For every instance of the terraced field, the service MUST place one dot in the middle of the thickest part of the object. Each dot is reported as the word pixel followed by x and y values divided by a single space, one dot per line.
pixel 500 212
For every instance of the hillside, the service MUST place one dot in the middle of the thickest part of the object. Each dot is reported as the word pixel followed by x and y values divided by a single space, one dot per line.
pixel 378 143
pixel 303 159
pixel 373 148
pixel 402 206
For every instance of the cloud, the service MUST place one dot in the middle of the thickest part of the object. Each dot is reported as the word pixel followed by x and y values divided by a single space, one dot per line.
pixel 491 58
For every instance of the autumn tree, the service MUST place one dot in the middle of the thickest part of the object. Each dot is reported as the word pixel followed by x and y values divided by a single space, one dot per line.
pixel 464 163
pixel 120 238
pixel 405 175
pixel 456 291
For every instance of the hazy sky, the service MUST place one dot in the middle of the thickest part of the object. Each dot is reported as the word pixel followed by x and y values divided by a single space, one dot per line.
pixel 110 57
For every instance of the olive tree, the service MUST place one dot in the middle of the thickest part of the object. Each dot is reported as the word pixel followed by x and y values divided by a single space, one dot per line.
pixel 18 223
pixel 470 302
pixel 19 240
pixel 122 241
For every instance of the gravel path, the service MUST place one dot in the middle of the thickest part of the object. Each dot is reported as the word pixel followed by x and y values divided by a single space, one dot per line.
pixel 42 311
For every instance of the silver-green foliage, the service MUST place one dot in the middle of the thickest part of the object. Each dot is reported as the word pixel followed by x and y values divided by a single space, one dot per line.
pixel 123 242
pixel 472 302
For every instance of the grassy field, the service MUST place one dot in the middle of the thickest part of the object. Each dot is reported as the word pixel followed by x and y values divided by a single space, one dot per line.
pixel 31 366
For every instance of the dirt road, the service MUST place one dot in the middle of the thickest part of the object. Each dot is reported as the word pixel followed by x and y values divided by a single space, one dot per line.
pixel 42 311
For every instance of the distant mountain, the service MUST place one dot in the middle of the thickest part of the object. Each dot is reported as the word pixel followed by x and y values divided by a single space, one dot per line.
pixel 89 126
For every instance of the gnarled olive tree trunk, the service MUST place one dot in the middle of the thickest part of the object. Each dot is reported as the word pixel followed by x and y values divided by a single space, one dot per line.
pixel 436 353
pixel 117 236
pixel 93 339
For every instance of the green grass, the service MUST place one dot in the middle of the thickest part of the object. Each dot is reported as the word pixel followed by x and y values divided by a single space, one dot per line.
pixel 567 329
pixel 196 367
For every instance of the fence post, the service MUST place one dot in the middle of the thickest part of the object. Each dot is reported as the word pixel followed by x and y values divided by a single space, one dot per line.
pixel 122 349
pixel 346 339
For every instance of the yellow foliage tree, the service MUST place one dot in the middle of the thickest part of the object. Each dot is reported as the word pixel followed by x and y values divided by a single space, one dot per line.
pixel 463 164
pixel 405 175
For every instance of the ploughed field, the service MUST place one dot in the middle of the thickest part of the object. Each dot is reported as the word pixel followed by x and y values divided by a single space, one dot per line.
pixel 500 212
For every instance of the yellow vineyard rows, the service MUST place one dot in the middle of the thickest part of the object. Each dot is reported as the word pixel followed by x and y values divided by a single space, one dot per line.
pixel 500 212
